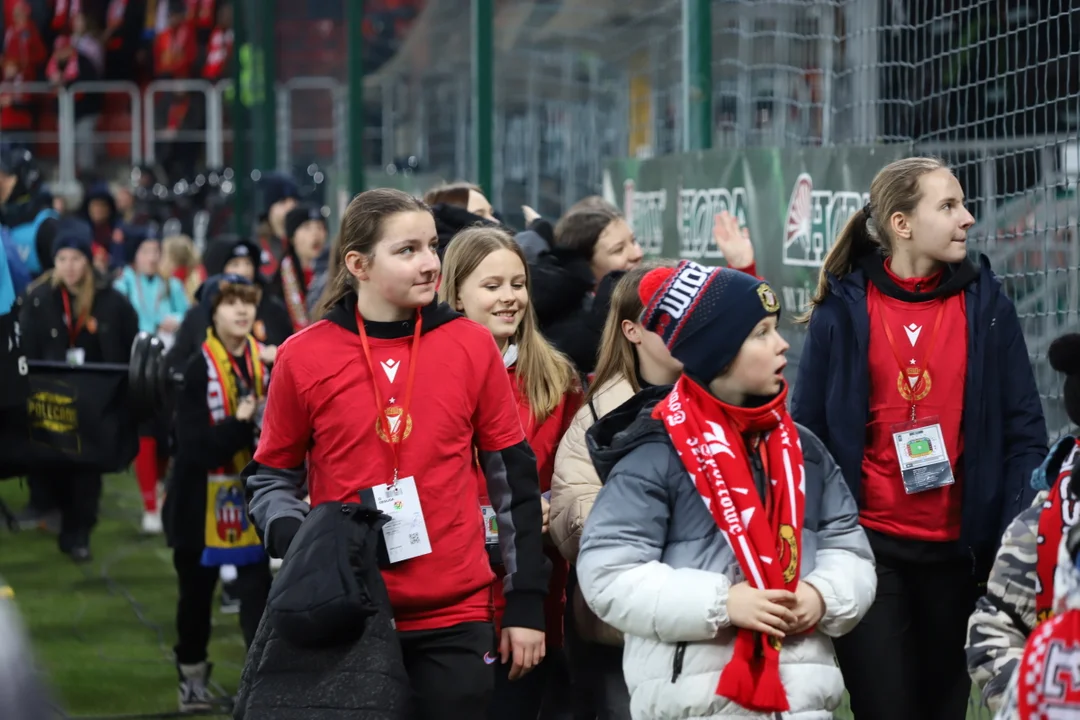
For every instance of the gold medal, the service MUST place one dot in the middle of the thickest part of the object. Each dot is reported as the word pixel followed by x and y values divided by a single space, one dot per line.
pixel 393 414
pixel 913 383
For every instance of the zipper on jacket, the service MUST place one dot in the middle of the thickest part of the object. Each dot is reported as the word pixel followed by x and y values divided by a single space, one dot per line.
pixel 676 665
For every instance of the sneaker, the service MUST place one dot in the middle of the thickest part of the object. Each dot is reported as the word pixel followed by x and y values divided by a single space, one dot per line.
pixel 275 564
pixel 80 554
pixel 151 523
pixel 230 604
pixel 194 695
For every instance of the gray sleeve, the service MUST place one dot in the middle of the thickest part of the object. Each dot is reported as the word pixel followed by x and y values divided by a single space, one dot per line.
pixel 620 566
pixel 274 493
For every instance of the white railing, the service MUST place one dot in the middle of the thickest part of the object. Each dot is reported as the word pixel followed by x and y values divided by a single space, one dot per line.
pixel 147 133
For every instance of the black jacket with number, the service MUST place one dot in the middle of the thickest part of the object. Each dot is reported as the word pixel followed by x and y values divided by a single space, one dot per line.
pixel 200 448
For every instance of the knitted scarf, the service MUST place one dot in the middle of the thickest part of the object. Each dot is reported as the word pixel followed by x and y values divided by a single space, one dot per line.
pixel 765 535
pixel 1046 671
pixel 292 285
pixel 1060 512
pixel 229 535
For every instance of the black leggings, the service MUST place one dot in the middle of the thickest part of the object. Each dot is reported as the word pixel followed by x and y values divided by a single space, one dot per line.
pixel 906 658
pixel 196 602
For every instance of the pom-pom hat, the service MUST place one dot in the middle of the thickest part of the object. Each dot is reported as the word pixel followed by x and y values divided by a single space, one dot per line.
pixel 704 314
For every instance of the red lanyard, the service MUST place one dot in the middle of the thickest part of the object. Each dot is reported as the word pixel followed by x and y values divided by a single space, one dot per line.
pixel 393 436
pixel 909 369
pixel 73 331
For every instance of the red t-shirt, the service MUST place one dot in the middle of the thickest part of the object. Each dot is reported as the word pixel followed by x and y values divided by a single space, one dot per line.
pixel 321 398
pixel 544 440
pixel 932 515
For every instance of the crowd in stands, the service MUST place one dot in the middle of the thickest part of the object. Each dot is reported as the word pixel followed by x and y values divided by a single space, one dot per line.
pixel 62 42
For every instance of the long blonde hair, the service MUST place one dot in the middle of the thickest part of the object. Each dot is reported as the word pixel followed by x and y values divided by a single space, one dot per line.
pixel 617 357
pixel 546 373
pixel 895 189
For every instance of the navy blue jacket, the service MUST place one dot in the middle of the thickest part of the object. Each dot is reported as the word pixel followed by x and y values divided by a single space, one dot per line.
pixel 1004 429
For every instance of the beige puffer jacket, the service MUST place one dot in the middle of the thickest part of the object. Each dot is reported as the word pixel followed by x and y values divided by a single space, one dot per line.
pixel 574 487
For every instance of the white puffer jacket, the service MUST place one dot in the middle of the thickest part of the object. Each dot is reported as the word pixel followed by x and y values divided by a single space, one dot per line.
pixel 654 565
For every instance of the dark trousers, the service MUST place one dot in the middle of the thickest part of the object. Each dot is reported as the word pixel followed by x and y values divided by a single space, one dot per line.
pixel 76 496
pixel 449 670
pixel 596 676
pixel 906 658
pixel 542 693
pixel 196 602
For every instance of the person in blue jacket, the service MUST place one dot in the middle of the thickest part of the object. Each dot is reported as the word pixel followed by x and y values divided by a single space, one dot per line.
pixel 916 376
pixel 26 211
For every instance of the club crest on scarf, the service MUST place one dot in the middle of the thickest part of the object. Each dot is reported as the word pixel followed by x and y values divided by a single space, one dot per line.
pixel 230 513
pixel 229 536
pixel 766 537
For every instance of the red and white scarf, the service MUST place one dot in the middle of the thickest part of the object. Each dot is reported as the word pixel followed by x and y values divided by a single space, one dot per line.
pixel 1045 684
pixel 64 11
pixel 765 535
pixel 1060 512
pixel 295 292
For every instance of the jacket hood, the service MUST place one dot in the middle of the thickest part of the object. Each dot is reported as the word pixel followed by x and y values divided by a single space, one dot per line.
pixel 625 428
pixel 434 315
pixel 955 279
pixel 452 219
pixel 99 191
pixel 561 281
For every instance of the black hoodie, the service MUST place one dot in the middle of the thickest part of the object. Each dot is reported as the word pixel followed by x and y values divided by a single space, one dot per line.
pixel 626 427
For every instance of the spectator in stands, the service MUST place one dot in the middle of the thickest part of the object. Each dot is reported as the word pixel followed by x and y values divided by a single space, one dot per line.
pixel 85 38
pixel 123 28
pixel 63 13
pixel 68 66
pixel 175 47
pixel 220 48
pixel 16 108
pixel 23 44
pixel 175 53
pixel 202 17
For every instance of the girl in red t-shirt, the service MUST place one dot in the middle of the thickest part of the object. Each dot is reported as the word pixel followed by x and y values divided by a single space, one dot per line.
pixel 486 278
pixel 391 399
pixel 916 376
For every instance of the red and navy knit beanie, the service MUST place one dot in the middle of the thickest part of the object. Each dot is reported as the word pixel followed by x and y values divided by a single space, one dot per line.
pixel 704 314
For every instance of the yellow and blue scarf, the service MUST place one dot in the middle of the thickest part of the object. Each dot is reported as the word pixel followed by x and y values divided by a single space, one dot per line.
pixel 230 536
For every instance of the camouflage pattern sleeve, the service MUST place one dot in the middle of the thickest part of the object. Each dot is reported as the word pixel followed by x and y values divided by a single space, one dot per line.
pixel 1005 616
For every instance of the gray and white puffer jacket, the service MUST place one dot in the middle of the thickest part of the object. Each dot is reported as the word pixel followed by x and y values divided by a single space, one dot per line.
pixel 654 565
